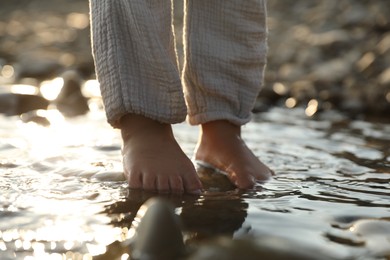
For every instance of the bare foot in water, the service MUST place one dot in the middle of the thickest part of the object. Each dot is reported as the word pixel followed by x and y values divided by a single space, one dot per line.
pixel 221 146
pixel 153 160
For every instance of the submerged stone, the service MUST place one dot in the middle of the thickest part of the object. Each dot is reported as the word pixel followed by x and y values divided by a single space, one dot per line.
pixel 158 235
pixel 213 179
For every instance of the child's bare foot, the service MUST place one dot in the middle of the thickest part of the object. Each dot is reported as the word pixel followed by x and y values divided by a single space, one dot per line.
pixel 221 146
pixel 153 160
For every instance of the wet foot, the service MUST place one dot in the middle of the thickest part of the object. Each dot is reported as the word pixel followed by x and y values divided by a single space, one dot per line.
pixel 153 160
pixel 220 145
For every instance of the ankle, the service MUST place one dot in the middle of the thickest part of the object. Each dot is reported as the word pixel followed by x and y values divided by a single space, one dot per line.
pixel 220 128
pixel 133 125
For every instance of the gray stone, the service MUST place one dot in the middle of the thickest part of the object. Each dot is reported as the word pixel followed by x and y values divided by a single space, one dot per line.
pixel 158 235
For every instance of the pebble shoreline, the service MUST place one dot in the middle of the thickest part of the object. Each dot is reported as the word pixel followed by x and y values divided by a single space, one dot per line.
pixel 323 55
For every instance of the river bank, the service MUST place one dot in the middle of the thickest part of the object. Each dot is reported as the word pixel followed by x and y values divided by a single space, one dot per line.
pixel 322 55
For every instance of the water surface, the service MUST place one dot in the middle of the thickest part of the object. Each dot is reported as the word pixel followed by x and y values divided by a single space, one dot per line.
pixel 63 195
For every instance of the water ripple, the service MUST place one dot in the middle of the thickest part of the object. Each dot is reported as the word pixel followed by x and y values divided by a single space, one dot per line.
pixel 62 188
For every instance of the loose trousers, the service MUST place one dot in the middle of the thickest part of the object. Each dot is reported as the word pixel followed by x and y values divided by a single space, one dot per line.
pixel 136 65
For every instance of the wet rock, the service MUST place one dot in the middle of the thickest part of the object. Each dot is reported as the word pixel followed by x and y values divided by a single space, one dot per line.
pixel 302 90
pixel 266 248
pixel 384 44
pixel 353 106
pixel 354 15
pixel 328 38
pixel 6 164
pixel 212 179
pixel 16 104
pixel 110 176
pixel 158 235
pixel 108 148
pixel 261 105
pixel 335 69
pixel 349 53
pixel 384 77
pixel 308 58
pixel 35 116
pixel 70 100
pixel 291 72
pixel 266 99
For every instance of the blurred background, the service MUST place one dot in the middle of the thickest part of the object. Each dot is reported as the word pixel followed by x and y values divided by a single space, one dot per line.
pixel 63 194
pixel 323 55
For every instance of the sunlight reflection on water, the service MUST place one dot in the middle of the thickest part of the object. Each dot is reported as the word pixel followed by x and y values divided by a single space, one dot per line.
pixel 63 194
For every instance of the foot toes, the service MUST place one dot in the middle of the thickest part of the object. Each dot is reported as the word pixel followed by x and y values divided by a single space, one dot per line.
pixel 163 184
pixel 264 174
pixel 176 184
pixel 135 180
pixel 149 182
pixel 192 185
pixel 246 183
pixel 242 181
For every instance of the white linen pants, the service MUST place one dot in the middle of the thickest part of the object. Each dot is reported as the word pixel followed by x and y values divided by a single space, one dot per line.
pixel 134 53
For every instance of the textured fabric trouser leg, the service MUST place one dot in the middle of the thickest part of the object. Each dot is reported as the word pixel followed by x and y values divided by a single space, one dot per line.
pixel 225 51
pixel 133 49
pixel 225 54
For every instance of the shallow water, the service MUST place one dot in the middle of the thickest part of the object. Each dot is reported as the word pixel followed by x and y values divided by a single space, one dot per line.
pixel 62 194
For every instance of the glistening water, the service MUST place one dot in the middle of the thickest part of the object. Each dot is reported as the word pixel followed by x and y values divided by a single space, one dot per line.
pixel 62 195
